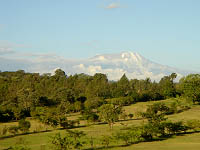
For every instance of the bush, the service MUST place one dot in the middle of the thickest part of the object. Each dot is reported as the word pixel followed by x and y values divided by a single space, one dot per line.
pixel 193 124
pixel 123 116
pixel 18 148
pixel 132 135
pixel 121 101
pixel 64 122
pixel 149 131
pixel 24 125
pixel 174 127
pixel 178 106
pixel 89 115
pixel 13 129
pixel 130 116
pixel 71 140
pixel 105 141
pixel 3 131
pixel 123 136
pixel 173 108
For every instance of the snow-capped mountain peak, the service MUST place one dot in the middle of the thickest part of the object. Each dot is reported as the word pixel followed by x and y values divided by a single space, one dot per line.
pixel 131 63
pixel 113 65
pixel 131 56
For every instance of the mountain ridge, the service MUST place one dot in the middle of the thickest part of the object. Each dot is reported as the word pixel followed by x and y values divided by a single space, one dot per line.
pixel 114 65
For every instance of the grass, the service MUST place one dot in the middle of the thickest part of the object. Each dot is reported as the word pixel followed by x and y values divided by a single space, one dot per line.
pixel 182 142
pixel 186 142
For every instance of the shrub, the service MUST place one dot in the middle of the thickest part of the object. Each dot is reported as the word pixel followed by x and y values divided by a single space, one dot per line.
pixel 105 141
pixel 132 135
pixel 24 125
pixel 71 140
pixel 89 115
pixel 193 124
pixel 3 131
pixel 123 116
pixel 18 148
pixel 174 127
pixel 13 129
pixel 64 122
pixel 130 116
pixel 149 131
pixel 124 136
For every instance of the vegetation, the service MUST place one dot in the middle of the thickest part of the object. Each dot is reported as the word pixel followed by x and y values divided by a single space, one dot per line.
pixel 66 102
pixel 71 140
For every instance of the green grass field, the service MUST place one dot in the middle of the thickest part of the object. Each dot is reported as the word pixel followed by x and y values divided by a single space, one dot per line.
pixel 181 142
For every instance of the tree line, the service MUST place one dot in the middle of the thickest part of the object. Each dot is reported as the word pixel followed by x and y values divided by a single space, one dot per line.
pixel 51 97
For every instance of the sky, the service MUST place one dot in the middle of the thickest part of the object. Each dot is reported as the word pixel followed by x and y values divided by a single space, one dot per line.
pixel 164 31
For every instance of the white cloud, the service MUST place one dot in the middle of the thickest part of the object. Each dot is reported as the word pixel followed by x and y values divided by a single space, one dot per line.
pixel 7 47
pixel 5 50
pixel 113 65
pixel 113 5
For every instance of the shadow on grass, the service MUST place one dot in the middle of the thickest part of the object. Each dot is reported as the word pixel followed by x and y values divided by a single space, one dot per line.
pixel 74 127
pixel 149 140
pixel 102 123
pixel 104 147
pixel 36 132
pixel 186 133
pixel 20 134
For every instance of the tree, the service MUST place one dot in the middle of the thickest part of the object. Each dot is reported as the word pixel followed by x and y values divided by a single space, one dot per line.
pixel 167 87
pixel 26 96
pixel 123 87
pixel 71 140
pixel 98 86
pixel 190 86
pixel 24 125
pixel 59 73
pixel 93 102
pixel 155 114
pixel 174 127
pixel 110 113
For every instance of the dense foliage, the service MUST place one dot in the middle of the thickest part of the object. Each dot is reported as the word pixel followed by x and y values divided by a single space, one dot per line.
pixel 50 98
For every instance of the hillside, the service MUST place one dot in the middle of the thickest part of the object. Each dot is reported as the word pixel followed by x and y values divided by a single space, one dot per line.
pixel 34 140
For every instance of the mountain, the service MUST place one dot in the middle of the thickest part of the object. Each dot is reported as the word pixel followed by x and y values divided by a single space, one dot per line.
pixel 113 65
pixel 132 64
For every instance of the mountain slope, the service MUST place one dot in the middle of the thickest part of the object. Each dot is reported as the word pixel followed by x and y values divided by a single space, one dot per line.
pixel 132 64
pixel 113 65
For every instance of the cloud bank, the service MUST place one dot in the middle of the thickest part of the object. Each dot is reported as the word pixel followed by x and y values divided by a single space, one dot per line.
pixel 113 5
pixel 113 65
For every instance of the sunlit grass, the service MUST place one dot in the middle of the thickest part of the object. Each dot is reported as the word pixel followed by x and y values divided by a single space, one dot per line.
pixel 184 142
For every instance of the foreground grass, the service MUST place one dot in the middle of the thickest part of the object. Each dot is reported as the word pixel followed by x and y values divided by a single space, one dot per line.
pixel 183 142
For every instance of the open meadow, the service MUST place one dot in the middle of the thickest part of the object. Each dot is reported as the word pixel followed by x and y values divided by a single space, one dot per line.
pixel 39 135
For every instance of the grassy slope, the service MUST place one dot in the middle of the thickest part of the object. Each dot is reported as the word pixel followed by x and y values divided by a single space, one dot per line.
pixel 177 143
pixel 186 142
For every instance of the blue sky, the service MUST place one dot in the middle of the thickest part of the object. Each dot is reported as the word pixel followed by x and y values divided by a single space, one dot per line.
pixel 164 31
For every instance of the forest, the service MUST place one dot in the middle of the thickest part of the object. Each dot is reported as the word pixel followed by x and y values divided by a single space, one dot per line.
pixel 51 99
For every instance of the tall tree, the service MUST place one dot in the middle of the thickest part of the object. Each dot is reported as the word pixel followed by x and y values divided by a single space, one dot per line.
pixel 191 87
